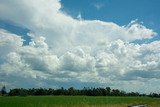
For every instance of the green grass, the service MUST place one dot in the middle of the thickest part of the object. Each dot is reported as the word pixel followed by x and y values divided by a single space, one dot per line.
pixel 76 101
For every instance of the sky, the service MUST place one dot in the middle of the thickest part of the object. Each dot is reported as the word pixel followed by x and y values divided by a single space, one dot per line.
pixel 87 43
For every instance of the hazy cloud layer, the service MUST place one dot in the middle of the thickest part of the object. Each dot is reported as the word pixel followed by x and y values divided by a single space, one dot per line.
pixel 70 51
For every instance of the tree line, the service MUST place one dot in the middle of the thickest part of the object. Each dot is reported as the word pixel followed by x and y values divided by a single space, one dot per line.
pixel 86 91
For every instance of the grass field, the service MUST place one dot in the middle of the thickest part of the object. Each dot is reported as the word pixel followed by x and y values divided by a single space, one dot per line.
pixel 76 101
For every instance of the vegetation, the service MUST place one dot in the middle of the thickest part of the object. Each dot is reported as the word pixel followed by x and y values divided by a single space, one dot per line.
pixel 75 92
pixel 71 97
pixel 76 101
pixel 3 91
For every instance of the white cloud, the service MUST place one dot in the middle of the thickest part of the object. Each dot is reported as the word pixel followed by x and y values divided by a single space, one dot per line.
pixel 45 19
pixel 79 17
pixel 66 50
pixel 139 31
pixel 77 61
pixel 99 6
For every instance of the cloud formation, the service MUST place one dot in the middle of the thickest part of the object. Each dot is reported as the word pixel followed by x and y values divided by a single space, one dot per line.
pixel 65 50
pixel 98 6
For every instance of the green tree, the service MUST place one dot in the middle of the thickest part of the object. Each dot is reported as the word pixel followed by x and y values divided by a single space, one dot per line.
pixel 108 91
pixel 71 91
pixel 3 91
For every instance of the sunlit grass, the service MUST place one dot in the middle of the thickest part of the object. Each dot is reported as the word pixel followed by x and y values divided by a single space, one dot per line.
pixel 76 101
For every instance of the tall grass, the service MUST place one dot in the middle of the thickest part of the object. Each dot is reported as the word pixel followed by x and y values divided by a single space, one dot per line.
pixel 76 101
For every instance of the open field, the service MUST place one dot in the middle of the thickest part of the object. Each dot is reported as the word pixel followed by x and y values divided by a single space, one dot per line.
pixel 76 101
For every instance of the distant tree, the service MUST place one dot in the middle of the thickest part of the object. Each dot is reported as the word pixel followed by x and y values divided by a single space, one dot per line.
pixel 50 91
pixel 3 90
pixel 13 92
pixel 31 91
pixel 40 91
pixel 122 93
pixel 23 92
pixel 154 95
pixel 133 94
pixel 108 91
pixel 71 91
pixel 115 92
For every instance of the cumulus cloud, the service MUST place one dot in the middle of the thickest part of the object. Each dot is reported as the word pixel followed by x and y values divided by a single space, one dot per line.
pixel 68 50
pixel 61 30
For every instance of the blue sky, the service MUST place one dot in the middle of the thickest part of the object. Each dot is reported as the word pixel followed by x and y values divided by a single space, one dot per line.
pixel 9 26
pixel 95 43
pixel 120 12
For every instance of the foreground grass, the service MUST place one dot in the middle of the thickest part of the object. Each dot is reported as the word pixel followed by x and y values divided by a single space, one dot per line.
pixel 76 101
